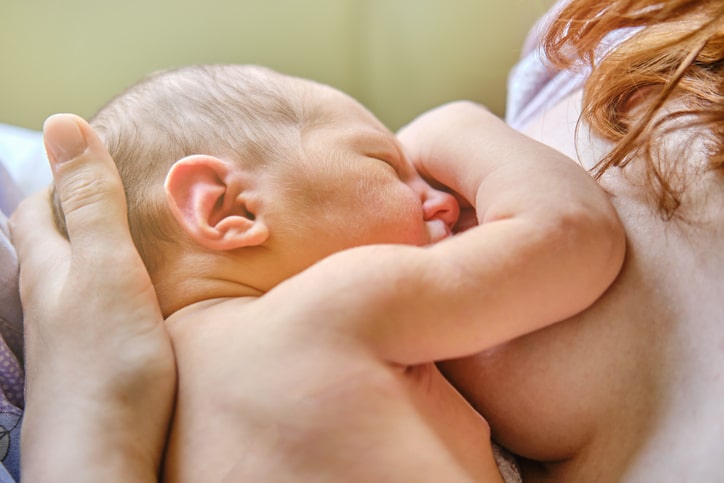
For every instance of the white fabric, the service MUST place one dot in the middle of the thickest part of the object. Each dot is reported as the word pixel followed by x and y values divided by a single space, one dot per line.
pixel 23 154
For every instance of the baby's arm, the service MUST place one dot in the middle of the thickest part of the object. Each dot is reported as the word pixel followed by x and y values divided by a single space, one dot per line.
pixel 547 245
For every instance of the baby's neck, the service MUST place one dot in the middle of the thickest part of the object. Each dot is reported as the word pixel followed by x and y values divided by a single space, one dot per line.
pixel 184 283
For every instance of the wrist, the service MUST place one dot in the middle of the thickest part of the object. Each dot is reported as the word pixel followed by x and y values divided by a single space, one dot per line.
pixel 93 440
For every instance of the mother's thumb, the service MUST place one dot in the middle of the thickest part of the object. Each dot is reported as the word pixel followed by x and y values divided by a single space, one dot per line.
pixel 88 187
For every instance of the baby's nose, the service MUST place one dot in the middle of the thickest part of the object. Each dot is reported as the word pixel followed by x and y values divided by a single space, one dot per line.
pixel 442 206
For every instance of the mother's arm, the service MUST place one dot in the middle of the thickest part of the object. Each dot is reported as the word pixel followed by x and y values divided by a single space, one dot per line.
pixel 100 366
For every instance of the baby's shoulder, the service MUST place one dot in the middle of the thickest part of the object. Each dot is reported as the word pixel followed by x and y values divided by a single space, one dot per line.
pixel 209 315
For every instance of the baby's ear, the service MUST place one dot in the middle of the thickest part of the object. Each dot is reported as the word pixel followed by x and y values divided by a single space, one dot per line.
pixel 206 197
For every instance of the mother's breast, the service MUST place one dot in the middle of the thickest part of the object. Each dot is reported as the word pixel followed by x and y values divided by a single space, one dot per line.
pixel 567 389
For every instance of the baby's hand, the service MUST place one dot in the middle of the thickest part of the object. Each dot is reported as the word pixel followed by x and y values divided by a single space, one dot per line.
pixel 436 143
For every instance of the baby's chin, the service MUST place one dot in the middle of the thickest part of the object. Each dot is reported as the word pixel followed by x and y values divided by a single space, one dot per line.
pixel 437 230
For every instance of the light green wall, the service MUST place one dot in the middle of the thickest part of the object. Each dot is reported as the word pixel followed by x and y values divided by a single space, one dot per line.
pixel 398 57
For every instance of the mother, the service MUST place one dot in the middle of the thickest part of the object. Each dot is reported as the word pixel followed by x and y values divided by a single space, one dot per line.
pixel 629 390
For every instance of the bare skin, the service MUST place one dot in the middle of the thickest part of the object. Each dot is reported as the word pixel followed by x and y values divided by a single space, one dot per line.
pixel 293 415
pixel 631 389
pixel 92 323
pixel 312 380
pixel 330 372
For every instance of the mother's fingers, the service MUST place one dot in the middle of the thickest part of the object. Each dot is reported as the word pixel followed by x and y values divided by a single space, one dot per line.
pixel 44 254
pixel 88 186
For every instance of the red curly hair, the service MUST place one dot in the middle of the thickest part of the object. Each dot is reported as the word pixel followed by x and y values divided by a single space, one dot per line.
pixel 674 61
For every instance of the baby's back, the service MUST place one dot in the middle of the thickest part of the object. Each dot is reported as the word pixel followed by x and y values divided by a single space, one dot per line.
pixel 310 404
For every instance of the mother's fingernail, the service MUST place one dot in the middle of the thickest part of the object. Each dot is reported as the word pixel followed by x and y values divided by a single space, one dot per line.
pixel 63 138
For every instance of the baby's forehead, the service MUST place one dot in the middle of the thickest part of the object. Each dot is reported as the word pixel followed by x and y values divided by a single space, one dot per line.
pixel 333 108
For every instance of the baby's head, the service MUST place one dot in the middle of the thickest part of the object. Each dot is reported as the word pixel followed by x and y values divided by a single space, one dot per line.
pixel 242 113
pixel 216 159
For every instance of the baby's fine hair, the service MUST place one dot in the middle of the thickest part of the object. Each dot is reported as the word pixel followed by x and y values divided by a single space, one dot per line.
pixel 239 113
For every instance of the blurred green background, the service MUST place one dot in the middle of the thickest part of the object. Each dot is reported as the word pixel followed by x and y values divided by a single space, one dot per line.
pixel 398 57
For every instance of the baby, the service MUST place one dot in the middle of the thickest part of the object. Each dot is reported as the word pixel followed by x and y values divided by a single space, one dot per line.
pixel 282 224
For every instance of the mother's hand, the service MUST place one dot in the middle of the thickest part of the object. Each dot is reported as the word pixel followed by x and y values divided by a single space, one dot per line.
pixel 99 364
